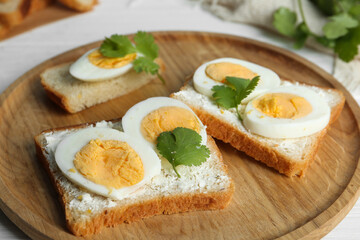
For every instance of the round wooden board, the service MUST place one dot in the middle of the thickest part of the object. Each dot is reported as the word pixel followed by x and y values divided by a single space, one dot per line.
pixel 265 204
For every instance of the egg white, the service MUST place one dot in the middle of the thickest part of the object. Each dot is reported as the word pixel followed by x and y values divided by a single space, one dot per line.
pixel 69 146
pixel 268 78
pixel 132 119
pixel 259 123
pixel 84 70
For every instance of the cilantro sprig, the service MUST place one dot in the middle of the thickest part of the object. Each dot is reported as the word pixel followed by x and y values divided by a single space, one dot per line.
pixel 120 46
pixel 341 32
pixel 231 95
pixel 182 146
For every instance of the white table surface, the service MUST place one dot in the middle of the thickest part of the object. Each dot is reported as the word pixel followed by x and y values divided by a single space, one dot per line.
pixel 22 53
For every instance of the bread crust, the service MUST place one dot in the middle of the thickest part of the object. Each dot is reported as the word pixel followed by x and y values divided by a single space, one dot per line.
pixel 239 140
pixel 37 5
pixel 160 206
pixel 11 19
pixel 135 212
pixel 56 96
pixel 242 142
pixel 78 6
pixel 3 30
pixel 25 8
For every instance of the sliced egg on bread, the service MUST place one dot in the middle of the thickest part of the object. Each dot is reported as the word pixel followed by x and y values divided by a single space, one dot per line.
pixel 214 73
pixel 147 119
pixel 106 161
pixel 286 112
pixel 93 66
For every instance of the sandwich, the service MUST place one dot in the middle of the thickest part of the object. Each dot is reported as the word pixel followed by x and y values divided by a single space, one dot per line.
pixel 80 5
pixel 37 5
pixel 157 160
pixel 279 123
pixel 3 30
pixel 101 74
pixel 13 12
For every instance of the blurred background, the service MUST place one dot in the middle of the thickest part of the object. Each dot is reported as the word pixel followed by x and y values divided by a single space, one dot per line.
pixel 325 32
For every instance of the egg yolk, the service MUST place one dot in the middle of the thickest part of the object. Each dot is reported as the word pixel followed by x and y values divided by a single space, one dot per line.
pixel 283 105
pixel 167 119
pixel 111 163
pixel 99 60
pixel 219 71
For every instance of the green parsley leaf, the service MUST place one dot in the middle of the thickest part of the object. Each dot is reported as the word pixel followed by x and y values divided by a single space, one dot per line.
pixel 333 7
pixel 330 43
pixel 326 6
pixel 120 46
pixel 285 21
pixel 230 96
pixel 182 146
pixel 242 86
pixel 302 33
pixel 339 25
pixel 224 96
pixel 343 5
pixel 347 47
pixel 355 11
pixel 116 46
pixel 340 33
pixel 145 64
pixel 145 44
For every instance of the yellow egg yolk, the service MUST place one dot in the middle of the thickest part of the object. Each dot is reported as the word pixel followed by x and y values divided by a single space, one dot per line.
pixel 283 105
pixel 101 61
pixel 111 163
pixel 219 71
pixel 167 119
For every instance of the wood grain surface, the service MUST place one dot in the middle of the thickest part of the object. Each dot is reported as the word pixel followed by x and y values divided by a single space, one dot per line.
pixel 265 205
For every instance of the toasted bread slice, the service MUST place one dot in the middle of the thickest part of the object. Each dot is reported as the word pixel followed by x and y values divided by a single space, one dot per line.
pixel 37 5
pixel 288 156
pixel 74 95
pixel 3 30
pixel 79 5
pixel 13 12
pixel 87 213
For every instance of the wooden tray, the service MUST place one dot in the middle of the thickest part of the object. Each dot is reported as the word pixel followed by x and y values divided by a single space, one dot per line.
pixel 265 204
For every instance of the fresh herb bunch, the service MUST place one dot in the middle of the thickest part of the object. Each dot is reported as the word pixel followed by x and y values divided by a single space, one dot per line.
pixel 120 46
pixel 341 33
pixel 231 95
pixel 182 146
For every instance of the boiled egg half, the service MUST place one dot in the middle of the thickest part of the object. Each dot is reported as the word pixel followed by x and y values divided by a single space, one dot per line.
pixel 106 161
pixel 93 66
pixel 147 119
pixel 215 72
pixel 287 112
